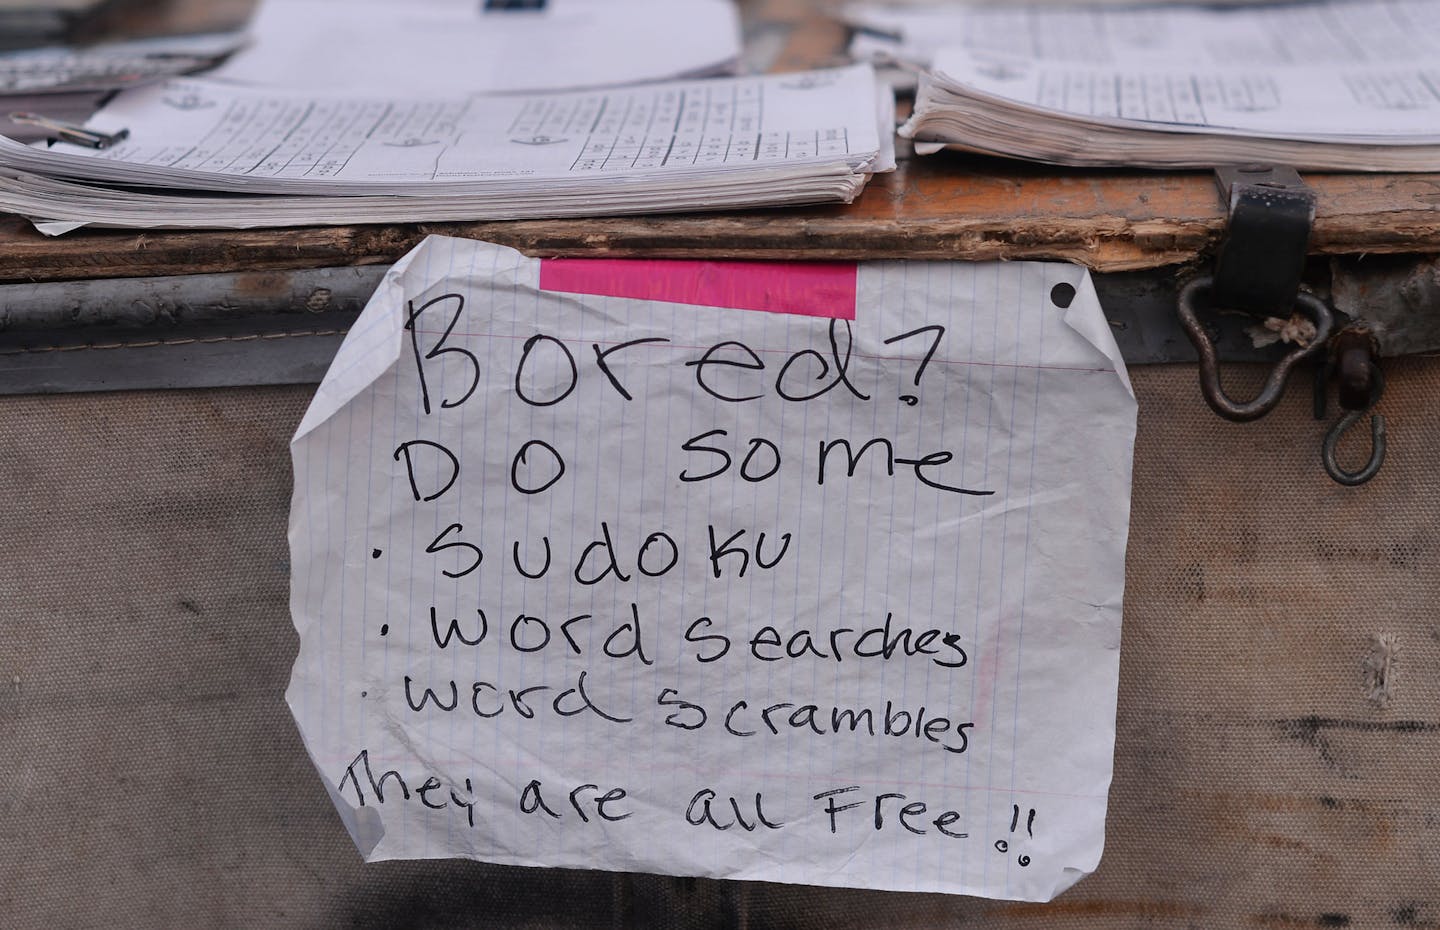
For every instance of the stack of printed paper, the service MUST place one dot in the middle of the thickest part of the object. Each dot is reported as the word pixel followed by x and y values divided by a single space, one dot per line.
pixel 448 47
pixel 1350 85
pixel 209 154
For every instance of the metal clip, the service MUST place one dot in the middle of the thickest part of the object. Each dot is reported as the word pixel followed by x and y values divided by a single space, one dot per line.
pixel 1269 211
pixel 1274 388
pixel 69 132
pixel 1361 385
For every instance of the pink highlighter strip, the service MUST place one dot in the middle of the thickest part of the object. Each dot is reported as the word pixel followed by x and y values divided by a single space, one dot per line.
pixel 824 289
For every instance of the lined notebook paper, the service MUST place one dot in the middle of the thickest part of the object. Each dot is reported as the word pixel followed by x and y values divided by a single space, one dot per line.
pixel 814 577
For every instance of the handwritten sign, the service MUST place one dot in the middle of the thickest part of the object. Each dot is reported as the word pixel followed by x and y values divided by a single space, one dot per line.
pixel 825 589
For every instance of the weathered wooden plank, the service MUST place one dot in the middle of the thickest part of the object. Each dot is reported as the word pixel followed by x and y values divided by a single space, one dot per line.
pixel 941 207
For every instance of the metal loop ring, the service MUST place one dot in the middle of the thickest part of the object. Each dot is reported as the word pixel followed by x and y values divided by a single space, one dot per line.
pixel 1274 387
pixel 1377 437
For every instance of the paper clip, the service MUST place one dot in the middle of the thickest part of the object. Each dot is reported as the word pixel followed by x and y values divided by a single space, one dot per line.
pixel 69 132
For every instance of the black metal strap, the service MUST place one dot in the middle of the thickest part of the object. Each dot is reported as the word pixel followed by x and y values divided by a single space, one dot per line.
pixel 1262 257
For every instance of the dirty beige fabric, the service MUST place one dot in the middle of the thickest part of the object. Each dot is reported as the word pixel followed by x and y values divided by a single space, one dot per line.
pixel 150 775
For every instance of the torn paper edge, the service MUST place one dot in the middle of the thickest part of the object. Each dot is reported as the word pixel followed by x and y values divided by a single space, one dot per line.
pixel 1094 328
pixel 371 347
pixel 1086 316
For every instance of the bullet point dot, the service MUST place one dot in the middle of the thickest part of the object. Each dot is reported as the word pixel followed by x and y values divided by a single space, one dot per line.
pixel 384 629
pixel 364 693
pixel 375 553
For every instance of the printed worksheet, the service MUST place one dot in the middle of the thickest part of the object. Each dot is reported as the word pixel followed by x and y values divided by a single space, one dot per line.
pixel 774 571
pixel 1377 103
pixel 211 135
pixel 1328 33
pixel 1354 69
pixel 448 47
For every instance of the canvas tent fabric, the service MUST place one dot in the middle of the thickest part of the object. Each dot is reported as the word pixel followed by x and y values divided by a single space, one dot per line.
pixel 151 775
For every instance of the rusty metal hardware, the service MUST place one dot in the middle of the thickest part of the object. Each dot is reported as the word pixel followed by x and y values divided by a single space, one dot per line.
pixel 1353 361
pixel 1350 360
pixel 1357 374
pixel 1377 449
pixel 1274 387
pixel 1269 213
